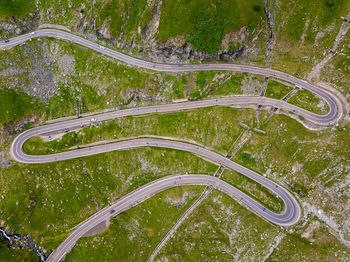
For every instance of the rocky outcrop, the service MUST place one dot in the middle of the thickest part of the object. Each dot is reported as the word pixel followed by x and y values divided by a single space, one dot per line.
pixel 7 131
pixel 4 163
pixel 15 26
pixel 272 36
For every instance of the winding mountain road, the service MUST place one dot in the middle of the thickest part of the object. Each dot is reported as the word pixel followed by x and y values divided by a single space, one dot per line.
pixel 335 106
pixel 292 211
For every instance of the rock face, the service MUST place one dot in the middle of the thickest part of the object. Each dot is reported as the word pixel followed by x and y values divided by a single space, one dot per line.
pixel 17 26
pixel 35 76
pixel 7 131
pixel 42 76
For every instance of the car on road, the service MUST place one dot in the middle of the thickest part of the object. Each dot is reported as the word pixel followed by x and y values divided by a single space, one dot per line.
pixel 66 130
pixel 6 41
pixel 32 33
pixel 112 211
pixel 49 137
pixel 102 47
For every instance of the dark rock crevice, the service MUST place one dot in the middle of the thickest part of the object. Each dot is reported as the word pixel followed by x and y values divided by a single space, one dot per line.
pixel 271 38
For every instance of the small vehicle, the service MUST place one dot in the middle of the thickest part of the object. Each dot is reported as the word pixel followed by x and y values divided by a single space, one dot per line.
pixel 82 125
pixel 66 130
pixel 112 211
pixel 32 33
pixel 6 41
pixel 102 47
pixel 49 137
pixel 93 119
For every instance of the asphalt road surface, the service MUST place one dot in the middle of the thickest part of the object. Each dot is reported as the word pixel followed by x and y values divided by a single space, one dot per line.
pixel 292 210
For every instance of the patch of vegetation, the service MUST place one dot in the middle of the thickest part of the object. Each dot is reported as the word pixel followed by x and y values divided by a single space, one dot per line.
pixel 36 145
pixel 14 255
pixel 178 86
pixel 301 189
pixel 195 18
pixel 216 84
pixel 134 234
pixel 16 105
pixel 337 70
pixel 18 8
pixel 277 90
pixel 305 99
pixel 327 10
pixel 232 86
pixel 208 33
pixel 125 15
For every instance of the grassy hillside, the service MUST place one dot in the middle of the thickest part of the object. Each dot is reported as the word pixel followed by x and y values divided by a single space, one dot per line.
pixel 47 77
